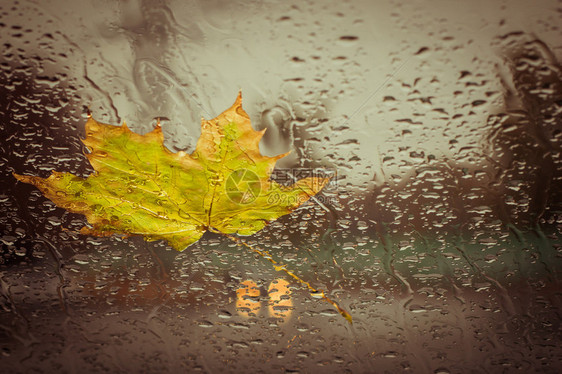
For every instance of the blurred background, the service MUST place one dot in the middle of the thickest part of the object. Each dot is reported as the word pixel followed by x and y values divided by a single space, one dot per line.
pixel 441 233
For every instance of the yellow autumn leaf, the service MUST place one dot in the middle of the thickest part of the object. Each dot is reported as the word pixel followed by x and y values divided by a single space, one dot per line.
pixel 139 187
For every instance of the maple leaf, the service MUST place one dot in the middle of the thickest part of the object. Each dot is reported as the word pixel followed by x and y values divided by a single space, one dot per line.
pixel 139 187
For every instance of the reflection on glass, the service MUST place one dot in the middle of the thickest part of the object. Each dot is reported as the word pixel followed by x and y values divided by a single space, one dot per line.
pixel 247 298
pixel 280 304
pixel 280 301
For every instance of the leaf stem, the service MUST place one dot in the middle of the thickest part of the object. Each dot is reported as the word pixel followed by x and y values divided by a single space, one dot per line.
pixel 281 267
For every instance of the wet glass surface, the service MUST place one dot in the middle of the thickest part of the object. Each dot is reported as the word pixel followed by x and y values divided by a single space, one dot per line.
pixel 440 234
